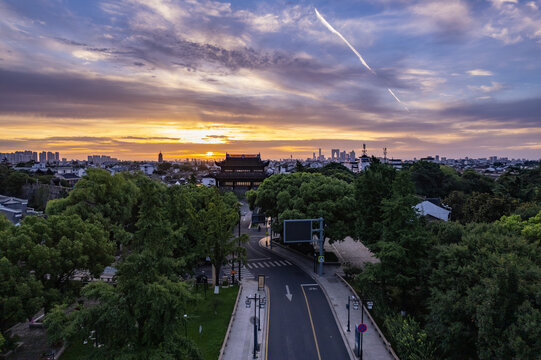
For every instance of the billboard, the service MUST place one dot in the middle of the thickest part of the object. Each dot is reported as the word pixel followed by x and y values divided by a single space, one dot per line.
pixel 298 231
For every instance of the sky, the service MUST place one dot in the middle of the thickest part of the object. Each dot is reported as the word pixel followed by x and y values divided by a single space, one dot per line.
pixel 131 78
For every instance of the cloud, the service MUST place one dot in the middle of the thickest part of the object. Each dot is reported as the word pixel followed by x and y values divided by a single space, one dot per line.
pixel 190 74
pixel 451 17
pixel 479 72
pixel 503 34
pixel 499 3
pixel 510 114
pixel 495 86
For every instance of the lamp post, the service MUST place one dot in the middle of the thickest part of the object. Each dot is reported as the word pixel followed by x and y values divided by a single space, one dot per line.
pixel 186 325
pixel 238 253
pixel 369 305
pixel 259 302
pixel 355 306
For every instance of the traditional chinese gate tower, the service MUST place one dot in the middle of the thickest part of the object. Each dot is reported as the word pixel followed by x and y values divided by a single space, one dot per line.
pixel 241 171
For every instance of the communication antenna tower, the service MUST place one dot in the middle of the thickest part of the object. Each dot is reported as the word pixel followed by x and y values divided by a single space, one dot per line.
pixel 385 155
pixel 364 149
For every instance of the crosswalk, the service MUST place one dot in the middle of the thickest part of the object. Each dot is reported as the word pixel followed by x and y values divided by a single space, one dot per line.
pixel 267 264
pixel 246 271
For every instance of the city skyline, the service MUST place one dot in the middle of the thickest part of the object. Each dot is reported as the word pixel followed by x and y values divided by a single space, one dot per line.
pixel 198 79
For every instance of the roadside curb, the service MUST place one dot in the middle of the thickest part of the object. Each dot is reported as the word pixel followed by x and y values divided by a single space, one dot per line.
pixel 316 278
pixel 383 338
pixel 265 335
pixel 228 332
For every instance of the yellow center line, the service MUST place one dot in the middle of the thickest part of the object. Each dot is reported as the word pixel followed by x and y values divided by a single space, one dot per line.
pixel 311 322
pixel 268 316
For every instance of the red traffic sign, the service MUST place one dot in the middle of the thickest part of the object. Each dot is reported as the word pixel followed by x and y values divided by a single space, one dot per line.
pixel 361 328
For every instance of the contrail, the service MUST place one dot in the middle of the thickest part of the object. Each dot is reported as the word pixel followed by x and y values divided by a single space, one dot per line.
pixel 333 30
pixel 397 99
pixel 343 38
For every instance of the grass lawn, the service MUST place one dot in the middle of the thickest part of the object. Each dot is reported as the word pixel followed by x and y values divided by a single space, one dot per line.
pixel 213 315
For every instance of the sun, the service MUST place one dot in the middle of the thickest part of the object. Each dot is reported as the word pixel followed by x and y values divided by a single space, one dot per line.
pixel 209 154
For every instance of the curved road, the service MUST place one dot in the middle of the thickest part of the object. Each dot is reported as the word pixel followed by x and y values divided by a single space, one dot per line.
pixel 301 325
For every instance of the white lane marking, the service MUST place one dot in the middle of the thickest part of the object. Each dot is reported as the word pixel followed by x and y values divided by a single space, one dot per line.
pixel 276 263
pixel 283 263
pixel 309 284
pixel 287 262
pixel 248 266
pixel 254 265
pixel 289 296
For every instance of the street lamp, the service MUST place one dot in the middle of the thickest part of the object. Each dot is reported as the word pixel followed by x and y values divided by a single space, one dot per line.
pixel 369 306
pixel 238 252
pixel 186 325
pixel 259 302
pixel 355 306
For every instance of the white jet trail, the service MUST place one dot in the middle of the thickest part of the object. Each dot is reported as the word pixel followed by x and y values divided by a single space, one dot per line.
pixel 343 38
pixel 397 99
pixel 324 22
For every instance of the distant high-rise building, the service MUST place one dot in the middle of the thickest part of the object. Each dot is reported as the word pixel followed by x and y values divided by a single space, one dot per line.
pixel 160 157
pixel 35 156
pixel 50 157
pixel 313 156
pixel 352 155
pixel 57 156
pixel 43 157
pixel 437 158
pixel 335 154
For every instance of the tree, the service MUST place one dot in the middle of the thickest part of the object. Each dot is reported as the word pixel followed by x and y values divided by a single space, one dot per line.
pixel 54 248
pixel 478 289
pixel 20 294
pixel 218 222
pixel 428 179
pixel 163 168
pixel 371 188
pixel 307 195
pixel 110 201
pixel 403 249
pixel 142 316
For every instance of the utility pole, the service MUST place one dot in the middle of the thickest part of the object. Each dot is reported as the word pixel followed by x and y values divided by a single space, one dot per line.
pixel 259 301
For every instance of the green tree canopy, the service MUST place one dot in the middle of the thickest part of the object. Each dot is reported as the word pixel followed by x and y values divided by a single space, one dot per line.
pixel 307 195
pixel 104 199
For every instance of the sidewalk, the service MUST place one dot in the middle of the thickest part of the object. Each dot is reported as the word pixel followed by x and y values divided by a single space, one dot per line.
pixel 240 342
pixel 374 347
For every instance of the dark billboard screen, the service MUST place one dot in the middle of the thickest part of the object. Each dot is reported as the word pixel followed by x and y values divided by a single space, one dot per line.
pixel 297 231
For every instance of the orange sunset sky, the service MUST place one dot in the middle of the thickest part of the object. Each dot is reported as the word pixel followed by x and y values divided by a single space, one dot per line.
pixel 131 78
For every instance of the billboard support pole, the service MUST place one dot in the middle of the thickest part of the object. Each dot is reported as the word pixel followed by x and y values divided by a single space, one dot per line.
pixel 302 231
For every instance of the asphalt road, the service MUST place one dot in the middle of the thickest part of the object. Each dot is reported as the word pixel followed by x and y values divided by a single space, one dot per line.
pixel 301 326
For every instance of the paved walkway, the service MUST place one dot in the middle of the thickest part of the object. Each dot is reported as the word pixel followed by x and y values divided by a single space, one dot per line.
pixel 337 292
pixel 240 344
